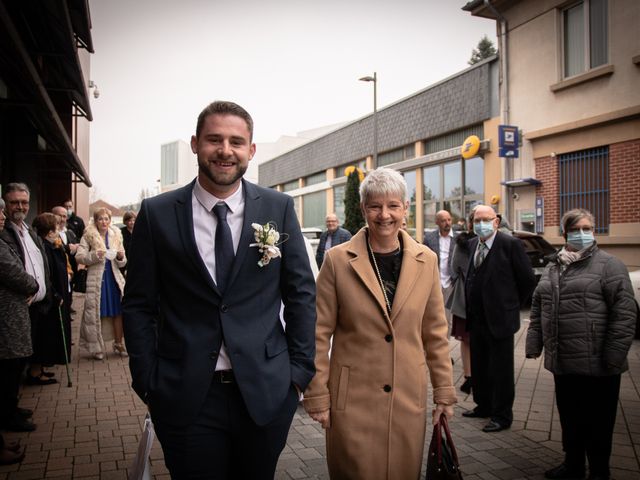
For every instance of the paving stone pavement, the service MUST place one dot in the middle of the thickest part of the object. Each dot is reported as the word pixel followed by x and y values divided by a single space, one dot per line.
pixel 91 429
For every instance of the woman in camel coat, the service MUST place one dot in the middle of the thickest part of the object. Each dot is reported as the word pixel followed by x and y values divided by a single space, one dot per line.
pixel 370 394
pixel 102 243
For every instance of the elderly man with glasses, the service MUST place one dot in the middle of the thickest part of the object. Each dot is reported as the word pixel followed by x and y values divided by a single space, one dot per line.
pixel 499 281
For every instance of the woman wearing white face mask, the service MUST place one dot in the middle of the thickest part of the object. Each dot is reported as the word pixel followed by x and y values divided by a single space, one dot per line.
pixel 583 314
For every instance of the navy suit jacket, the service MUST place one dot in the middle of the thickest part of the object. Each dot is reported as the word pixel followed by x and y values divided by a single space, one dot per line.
pixel 341 235
pixel 175 317
pixel 507 284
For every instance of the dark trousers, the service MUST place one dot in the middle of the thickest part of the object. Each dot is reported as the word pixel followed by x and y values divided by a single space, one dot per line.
pixel 225 443
pixel 587 406
pixel 10 373
pixel 492 374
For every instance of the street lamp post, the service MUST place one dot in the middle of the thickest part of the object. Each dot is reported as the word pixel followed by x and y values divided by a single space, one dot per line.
pixel 374 79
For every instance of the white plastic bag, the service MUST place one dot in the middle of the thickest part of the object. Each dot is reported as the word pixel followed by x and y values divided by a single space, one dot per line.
pixel 141 467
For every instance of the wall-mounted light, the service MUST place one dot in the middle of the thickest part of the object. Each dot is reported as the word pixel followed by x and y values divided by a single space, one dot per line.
pixel 96 92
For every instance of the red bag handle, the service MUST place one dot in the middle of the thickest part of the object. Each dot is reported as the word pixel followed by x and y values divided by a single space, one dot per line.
pixel 444 425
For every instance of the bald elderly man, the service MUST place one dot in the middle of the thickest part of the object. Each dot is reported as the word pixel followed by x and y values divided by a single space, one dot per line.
pixel 441 242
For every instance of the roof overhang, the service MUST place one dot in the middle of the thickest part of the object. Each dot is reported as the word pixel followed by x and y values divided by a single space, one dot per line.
pixel 27 88
pixel 479 8
pixel 521 182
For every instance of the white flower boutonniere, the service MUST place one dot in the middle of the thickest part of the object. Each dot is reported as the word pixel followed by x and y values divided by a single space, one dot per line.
pixel 267 240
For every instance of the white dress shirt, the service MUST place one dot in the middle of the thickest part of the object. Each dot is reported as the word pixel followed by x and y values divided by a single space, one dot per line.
pixel 204 228
pixel 33 261
pixel 445 248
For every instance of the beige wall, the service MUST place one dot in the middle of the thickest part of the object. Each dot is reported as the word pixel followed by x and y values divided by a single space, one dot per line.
pixel 532 71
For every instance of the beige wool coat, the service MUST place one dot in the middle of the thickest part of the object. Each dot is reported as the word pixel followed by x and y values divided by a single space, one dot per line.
pixel 93 331
pixel 375 380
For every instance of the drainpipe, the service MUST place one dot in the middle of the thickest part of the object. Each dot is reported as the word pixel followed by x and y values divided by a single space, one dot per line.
pixel 504 100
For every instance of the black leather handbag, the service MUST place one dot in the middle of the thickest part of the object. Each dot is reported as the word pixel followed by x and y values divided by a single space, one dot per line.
pixel 442 463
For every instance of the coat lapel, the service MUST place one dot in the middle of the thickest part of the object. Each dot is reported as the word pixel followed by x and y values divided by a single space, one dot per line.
pixel 251 214
pixel 412 260
pixel 363 269
pixel 184 219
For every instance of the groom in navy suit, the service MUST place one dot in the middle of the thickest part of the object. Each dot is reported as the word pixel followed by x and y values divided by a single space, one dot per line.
pixel 208 352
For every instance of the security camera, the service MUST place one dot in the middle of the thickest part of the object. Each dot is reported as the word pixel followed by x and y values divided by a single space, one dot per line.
pixel 96 93
pixel 516 196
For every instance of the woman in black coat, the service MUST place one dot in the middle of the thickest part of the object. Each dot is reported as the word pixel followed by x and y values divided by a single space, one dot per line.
pixel 58 319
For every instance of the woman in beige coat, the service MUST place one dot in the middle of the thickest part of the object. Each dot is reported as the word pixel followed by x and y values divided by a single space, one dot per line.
pixel 370 394
pixel 101 250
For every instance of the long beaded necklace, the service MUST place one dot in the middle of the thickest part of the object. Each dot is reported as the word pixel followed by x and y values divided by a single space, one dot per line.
pixel 375 266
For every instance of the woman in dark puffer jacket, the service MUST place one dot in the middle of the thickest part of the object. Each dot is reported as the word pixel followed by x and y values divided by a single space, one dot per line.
pixel 583 314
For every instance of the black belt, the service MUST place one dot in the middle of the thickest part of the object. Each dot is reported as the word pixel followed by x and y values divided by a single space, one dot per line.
pixel 224 376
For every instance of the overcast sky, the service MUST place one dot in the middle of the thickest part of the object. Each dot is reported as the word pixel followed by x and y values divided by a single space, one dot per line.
pixel 293 64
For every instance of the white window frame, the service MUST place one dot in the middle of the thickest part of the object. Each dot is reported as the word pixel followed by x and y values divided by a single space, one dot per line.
pixel 586 40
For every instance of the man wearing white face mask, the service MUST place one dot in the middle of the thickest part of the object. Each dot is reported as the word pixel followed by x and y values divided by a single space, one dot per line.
pixel 499 281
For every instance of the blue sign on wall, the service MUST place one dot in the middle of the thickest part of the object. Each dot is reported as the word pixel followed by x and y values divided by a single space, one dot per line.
pixel 508 141
pixel 539 215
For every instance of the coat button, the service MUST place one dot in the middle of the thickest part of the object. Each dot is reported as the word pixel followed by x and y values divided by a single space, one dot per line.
pixel 388 338
pixel 213 355
pixel 387 388
pixel 224 308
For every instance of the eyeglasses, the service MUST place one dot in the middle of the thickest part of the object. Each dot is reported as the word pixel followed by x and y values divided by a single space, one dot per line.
pixel 478 220
pixel 24 203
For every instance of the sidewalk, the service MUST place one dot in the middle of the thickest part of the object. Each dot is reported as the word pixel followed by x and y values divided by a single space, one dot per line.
pixel 91 429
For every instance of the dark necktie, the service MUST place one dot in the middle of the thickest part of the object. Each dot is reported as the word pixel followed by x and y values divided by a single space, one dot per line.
pixel 224 246
pixel 480 254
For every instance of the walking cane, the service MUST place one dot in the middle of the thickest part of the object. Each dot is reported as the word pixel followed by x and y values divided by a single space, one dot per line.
pixel 64 344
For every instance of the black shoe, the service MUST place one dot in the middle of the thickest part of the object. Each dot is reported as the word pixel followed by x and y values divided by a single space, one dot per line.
pixel 474 414
pixel 562 471
pixel 24 412
pixel 17 424
pixel 39 381
pixel 466 386
pixel 494 426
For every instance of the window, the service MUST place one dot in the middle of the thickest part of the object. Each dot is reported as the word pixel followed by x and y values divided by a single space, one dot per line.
pixel 410 178
pixel 585 36
pixel 584 183
pixel 315 178
pixel 338 202
pixel 314 206
pixel 293 185
pixel 361 164
pixel 442 185
pixel 398 155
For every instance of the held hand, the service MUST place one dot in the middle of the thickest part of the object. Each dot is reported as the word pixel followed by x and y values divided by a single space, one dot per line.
pixel 323 418
pixel 120 255
pixel 100 254
pixel 440 409
pixel 73 248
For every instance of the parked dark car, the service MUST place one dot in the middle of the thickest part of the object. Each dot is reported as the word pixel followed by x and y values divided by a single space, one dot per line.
pixel 536 248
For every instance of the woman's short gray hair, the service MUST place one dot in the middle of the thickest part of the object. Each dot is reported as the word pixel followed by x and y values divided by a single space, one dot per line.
pixel 570 218
pixel 383 182
pixel 2 204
